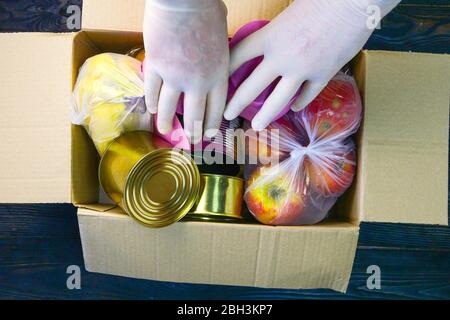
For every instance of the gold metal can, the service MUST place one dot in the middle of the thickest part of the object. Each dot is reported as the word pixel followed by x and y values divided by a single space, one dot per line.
pixel 153 183
pixel 220 199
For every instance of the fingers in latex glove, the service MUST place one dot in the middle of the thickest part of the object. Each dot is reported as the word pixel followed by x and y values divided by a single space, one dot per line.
pixel 186 46
pixel 194 111
pixel 152 83
pixel 247 49
pixel 306 44
pixel 310 90
pixel 249 90
pixel 214 108
pixel 167 106
pixel 280 97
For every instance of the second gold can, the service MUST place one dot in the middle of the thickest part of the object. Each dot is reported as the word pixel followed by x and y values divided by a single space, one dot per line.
pixel 220 199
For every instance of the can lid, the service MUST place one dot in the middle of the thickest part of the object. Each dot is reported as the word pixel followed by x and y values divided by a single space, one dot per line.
pixel 161 188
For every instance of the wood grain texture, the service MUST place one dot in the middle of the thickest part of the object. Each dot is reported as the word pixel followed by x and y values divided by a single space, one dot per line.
pixel 35 15
pixel 420 28
pixel 38 242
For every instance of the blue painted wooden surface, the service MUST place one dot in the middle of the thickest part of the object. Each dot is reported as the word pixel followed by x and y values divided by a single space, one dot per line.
pixel 38 242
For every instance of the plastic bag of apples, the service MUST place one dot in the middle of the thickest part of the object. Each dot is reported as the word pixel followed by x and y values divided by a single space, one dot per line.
pixel 316 158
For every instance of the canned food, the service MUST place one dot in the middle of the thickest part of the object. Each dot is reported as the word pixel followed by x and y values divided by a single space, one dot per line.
pixel 153 183
pixel 220 199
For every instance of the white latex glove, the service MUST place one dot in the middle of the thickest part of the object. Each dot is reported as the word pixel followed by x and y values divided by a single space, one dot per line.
pixel 307 45
pixel 187 52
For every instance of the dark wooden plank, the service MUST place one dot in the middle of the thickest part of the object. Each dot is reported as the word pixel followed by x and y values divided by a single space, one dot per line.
pixel 417 28
pixel 35 15
pixel 425 2
pixel 405 273
pixel 408 236
pixel 42 220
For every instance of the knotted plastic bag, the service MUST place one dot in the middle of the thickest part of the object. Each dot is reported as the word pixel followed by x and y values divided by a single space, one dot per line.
pixel 108 98
pixel 316 159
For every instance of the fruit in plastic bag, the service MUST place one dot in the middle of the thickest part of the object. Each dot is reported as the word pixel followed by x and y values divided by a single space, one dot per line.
pixel 108 98
pixel 266 198
pixel 333 175
pixel 336 111
pixel 262 145
pixel 320 165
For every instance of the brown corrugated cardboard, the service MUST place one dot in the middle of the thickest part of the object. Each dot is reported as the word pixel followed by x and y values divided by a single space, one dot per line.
pixel 113 15
pixel 405 138
pixel 127 15
pixel 195 252
pixel 34 133
pixel 402 162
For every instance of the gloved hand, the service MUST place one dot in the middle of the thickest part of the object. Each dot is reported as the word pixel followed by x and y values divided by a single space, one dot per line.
pixel 186 52
pixel 306 45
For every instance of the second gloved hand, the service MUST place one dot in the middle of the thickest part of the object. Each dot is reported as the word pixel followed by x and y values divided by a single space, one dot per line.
pixel 306 45
pixel 186 52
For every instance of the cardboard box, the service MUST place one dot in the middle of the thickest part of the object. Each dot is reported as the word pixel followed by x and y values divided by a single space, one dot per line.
pixel 402 162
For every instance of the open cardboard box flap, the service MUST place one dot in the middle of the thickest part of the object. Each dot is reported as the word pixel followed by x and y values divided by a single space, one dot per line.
pixel 35 156
pixel 403 151
pixel 402 162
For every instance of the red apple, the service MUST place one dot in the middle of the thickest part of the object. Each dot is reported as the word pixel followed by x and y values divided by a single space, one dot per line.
pixel 336 110
pixel 271 198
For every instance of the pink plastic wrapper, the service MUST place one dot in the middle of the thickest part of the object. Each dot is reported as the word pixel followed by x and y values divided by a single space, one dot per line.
pixel 317 159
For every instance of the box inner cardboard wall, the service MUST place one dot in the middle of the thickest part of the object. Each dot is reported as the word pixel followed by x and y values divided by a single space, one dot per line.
pixel 85 159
